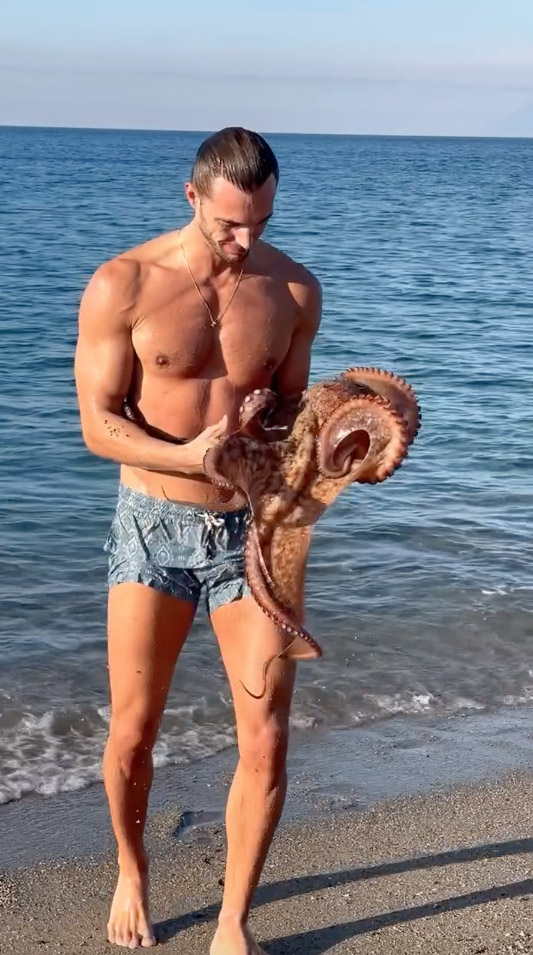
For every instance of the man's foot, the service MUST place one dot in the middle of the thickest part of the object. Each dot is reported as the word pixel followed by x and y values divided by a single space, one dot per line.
pixel 234 939
pixel 129 923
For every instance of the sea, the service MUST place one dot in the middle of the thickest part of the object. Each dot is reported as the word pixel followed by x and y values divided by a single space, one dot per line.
pixel 419 589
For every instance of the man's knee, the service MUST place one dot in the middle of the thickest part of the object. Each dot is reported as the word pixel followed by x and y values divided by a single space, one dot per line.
pixel 263 747
pixel 131 739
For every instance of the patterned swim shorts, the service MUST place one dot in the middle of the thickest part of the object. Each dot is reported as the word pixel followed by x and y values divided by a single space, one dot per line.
pixel 178 548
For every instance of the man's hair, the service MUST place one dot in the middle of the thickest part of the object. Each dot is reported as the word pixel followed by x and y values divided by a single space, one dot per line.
pixel 239 156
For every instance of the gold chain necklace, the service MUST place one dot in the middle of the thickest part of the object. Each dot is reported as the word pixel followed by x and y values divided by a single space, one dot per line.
pixel 214 321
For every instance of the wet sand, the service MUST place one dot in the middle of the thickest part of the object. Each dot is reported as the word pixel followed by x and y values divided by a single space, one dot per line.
pixel 447 872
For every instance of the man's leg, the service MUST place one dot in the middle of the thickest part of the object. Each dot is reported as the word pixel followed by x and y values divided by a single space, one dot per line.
pixel 146 631
pixel 247 637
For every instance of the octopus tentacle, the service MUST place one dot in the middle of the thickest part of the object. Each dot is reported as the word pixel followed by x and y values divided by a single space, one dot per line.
pixel 254 535
pixel 398 391
pixel 211 466
pixel 264 416
pixel 286 552
pixel 281 616
pixel 252 412
pixel 365 439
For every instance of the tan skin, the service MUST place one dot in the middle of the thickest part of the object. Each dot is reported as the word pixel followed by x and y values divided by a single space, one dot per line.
pixel 145 335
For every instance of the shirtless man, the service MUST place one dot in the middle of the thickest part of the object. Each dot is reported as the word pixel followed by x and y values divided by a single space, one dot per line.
pixel 172 335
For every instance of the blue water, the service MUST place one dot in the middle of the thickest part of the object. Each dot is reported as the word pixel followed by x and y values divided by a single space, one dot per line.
pixel 420 589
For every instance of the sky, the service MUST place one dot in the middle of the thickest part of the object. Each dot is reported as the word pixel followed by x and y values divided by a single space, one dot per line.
pixel 393 67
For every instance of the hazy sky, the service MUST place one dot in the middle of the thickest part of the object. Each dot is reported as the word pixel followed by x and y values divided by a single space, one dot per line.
pixel 451 67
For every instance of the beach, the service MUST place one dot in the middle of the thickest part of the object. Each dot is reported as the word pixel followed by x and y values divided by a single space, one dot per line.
pixel 407 820
pixel 355 867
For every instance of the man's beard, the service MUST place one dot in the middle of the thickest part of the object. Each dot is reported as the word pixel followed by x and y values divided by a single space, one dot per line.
pixel 217 248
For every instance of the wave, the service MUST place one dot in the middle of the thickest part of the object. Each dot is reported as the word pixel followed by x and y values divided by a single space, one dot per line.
pixel 62 752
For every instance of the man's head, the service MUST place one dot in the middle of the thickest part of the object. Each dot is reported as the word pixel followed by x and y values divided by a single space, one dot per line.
pixel 232 190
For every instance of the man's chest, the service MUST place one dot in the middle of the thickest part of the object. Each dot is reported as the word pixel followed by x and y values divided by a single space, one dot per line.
pixel 182 338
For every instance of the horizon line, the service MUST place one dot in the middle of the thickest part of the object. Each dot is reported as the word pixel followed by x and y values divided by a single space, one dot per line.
pixel 207 132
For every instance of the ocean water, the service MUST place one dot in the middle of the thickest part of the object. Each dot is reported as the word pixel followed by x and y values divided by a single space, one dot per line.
pixel 420 589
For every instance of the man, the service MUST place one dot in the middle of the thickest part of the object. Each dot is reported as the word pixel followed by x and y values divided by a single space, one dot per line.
pixel 173 334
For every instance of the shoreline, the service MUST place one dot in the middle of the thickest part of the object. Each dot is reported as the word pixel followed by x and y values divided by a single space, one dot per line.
pixel 329 771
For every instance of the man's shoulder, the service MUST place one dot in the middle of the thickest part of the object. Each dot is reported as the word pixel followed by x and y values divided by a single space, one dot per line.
pixel 125 273
pixel 287 269
pixel 114 280
pixel 303 286
pixel 136 260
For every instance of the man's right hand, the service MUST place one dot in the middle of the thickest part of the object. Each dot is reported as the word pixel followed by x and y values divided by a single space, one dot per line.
pixel 197 449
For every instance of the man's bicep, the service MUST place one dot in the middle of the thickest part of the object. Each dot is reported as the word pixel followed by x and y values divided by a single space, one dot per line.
pixel 104 352
pixel 292 376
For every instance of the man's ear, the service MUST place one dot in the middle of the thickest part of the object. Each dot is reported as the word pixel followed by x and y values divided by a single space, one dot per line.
pixel 191 195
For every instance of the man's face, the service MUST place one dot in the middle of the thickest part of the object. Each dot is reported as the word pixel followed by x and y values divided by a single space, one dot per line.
pixel 231 220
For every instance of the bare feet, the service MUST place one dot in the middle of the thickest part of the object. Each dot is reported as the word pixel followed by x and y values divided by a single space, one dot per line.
pixel 234 939
pixel 129 921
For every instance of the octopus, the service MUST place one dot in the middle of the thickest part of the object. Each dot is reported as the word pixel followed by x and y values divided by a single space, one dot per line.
pixel 290 459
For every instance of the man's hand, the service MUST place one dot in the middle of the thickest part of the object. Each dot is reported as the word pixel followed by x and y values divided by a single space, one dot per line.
pixel 197 449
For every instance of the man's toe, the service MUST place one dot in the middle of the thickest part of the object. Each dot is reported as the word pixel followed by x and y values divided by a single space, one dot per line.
pixel 147 939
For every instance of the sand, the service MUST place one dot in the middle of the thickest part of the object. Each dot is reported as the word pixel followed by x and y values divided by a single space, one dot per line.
pixel 449 872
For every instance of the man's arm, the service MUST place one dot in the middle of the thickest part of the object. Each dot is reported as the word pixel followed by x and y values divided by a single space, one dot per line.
pixel 103 370
pixel 292 376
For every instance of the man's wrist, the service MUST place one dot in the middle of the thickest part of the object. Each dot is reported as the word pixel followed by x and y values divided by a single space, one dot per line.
pixel 183 459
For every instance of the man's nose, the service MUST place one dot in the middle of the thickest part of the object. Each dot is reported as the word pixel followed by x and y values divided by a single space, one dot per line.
pixel 244 238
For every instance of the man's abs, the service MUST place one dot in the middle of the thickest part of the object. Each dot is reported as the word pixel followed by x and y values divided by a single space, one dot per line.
pixel 177 412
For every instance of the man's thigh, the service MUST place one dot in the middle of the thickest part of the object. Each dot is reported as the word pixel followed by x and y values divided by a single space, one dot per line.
pixel 247 638
pixel 146 632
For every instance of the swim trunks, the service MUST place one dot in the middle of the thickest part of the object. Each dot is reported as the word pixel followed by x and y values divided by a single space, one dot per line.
pixel 178 548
